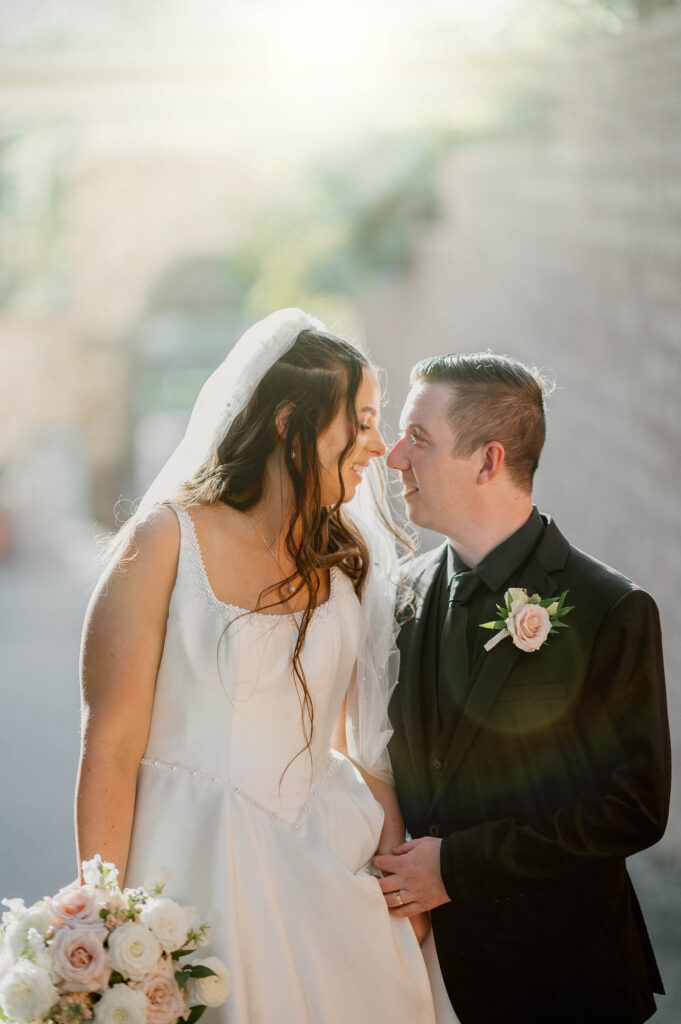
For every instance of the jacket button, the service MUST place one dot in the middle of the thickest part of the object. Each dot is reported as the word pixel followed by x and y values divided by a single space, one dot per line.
pixel 434 830
pixel 436 764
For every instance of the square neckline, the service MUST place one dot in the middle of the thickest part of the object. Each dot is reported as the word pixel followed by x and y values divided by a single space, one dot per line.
pixel 183 513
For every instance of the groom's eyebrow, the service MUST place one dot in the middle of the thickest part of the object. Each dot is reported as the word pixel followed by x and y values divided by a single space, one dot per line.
pixel 414 426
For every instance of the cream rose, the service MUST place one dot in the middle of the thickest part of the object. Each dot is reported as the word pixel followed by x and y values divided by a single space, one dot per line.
pixel 213 990
pixel 26 992
pixel 80 960
pixel 164 999
pixel 77 905
pixel 168 922
pixel 529 627
pixel 121 1005
pixel 134 950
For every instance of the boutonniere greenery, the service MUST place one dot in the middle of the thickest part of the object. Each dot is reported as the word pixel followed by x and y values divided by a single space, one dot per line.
pixel 527 620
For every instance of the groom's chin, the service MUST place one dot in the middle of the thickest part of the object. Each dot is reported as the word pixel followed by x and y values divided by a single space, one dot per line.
pixel 410 500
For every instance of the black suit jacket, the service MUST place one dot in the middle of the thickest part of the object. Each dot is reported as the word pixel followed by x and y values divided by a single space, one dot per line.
pixel 557 769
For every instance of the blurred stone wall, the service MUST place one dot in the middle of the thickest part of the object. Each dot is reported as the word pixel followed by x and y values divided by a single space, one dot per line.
pixel 565 250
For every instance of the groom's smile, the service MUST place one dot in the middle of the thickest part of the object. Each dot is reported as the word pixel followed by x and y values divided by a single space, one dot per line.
pixel 436 484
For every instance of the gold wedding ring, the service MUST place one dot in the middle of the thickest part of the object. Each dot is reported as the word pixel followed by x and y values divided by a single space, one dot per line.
pixel 398 897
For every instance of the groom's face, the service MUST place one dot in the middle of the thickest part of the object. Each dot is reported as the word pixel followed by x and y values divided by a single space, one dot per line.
pixel 439 487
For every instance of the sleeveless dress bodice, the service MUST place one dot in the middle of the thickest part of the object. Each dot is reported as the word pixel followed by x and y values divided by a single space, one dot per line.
pixel 273 832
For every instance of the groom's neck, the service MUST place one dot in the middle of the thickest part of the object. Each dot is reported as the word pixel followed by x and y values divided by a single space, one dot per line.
pixel 486 527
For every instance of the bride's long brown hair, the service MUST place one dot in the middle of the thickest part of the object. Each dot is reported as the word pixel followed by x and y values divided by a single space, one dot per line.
pixel 319 375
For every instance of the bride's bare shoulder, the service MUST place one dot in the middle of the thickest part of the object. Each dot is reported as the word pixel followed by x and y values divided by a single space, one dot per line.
pixel 150 549
pixel 158 533
pixel 138 581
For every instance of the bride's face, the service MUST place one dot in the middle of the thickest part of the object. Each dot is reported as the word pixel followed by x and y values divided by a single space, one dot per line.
pixel 368 444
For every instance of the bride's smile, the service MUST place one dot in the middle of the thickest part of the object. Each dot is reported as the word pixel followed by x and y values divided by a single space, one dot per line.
pixel 368 443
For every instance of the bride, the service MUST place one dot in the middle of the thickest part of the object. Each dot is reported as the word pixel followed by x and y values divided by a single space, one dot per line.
pixel 236 668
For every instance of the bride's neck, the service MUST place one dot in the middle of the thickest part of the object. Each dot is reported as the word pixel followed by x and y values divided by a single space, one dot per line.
pixel 273 511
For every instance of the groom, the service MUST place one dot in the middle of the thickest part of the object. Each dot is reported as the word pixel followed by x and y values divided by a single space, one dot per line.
pixel 526 773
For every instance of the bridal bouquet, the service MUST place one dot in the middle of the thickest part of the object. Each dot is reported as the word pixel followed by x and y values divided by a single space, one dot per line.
pixel 94 952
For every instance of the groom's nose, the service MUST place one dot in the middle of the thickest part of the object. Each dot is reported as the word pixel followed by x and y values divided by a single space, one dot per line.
pixel 397 456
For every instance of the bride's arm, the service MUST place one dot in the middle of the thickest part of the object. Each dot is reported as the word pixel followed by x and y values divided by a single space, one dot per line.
pixel 393 832
pixel 121 649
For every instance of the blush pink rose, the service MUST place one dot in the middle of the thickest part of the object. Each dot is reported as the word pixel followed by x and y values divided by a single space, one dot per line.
pixel 529 627
pixel 164 999
pixel 77 905
pixel 80 960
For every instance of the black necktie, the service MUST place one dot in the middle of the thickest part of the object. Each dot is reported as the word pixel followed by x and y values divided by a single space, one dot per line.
pixel 453 668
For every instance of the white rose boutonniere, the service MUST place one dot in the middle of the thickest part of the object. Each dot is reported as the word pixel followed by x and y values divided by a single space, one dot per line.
pixel 527 620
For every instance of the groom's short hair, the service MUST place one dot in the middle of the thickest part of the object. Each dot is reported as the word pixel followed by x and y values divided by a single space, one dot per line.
pixel 494 398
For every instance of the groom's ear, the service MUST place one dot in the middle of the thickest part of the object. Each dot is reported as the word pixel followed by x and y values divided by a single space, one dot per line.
pixel 281 418
pixel 493 457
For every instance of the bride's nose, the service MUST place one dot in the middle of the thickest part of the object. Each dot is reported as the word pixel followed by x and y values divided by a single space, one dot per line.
pixel 377 445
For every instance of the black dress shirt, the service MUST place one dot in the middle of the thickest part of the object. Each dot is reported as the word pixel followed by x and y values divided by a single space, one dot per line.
pixel 495 572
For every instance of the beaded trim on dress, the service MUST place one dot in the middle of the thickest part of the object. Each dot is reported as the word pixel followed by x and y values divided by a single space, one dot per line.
pixel 178 769
pixel 321 612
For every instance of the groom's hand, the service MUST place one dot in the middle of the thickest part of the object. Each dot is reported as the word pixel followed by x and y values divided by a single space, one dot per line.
pixel 413 883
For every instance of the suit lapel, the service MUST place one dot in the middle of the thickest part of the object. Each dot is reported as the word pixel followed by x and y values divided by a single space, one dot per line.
pixel 495 666
pixel 411 648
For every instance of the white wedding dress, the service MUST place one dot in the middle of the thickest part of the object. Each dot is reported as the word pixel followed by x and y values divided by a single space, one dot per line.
pixel 278 844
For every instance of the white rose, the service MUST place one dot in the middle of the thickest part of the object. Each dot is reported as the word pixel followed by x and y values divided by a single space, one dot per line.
pixel 529 627
pixel 133 950
pixel 121 1005
pixel 27 992
pixel 168 922
pixel 213 990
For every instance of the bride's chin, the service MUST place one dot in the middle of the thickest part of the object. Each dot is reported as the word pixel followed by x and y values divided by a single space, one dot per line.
pixel 350 485
pixel 348 495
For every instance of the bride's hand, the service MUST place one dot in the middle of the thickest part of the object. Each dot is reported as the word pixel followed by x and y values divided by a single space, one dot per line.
pixel 421 925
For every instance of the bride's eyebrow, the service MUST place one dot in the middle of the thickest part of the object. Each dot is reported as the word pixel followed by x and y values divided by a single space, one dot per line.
pixel 370 409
